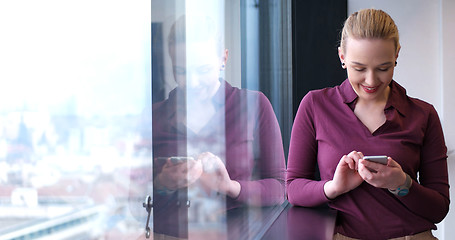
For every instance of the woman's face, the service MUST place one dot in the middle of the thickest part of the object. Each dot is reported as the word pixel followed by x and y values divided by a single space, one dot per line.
pixel 196 68
pixel 370 64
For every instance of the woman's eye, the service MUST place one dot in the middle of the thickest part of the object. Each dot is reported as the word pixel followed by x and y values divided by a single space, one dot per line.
pixel 359 69
pixel 383 69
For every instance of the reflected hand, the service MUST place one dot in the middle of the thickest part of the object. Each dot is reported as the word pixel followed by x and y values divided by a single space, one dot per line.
pixel 216 177
pixel 382 176
pixel 346 176
pixel 179 175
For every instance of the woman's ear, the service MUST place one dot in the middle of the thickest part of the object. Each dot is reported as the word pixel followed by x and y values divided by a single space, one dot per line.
pixel 224 59
pixel 342 57
pixel 398 51
pixel 226 55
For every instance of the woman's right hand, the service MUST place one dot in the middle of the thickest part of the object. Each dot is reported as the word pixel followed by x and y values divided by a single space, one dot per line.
pixel 179 175
pixel 216 177
pixel 346 176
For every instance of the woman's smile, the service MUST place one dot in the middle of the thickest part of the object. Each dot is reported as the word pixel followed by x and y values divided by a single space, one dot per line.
pixel 370 89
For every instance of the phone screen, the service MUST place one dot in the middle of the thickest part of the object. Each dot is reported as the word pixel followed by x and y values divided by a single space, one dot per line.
pixel 377 159
pixel 174 160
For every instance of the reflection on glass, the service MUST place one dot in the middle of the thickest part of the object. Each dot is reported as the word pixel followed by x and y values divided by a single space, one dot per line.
pixel 216 148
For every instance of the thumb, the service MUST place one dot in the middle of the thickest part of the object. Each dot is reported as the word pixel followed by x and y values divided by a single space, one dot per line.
pixel 392 163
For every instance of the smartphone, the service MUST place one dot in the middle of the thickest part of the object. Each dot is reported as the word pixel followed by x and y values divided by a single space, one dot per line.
pixel 174 160
pixel 377 159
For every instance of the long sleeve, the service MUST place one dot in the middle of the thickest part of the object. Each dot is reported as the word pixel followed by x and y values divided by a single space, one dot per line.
pixel 430 198
pixel 266 186
pixel 302 188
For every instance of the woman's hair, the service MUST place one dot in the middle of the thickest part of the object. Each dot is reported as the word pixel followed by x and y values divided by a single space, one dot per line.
pixel 369 24
pixel 190 28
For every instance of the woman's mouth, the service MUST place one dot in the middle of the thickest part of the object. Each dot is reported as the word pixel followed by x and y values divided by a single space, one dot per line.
pixel 369 89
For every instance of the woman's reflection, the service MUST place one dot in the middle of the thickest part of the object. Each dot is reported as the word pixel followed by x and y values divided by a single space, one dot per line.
pixel 215 147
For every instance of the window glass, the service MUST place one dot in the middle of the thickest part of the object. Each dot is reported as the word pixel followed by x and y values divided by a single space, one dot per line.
pixel 218 158
pixel 118 117
pixel 75 80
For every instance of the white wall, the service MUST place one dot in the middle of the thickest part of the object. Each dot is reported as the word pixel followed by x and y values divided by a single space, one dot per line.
pixel 448 81
pixel 425 64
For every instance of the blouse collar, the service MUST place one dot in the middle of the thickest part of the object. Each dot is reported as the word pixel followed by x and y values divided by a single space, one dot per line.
pixel 397 97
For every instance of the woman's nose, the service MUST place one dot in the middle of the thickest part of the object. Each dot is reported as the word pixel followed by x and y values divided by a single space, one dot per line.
pixel 192 79
pixel 370 78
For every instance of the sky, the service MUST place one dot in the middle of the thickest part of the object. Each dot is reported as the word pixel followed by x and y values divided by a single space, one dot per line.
pixel 94 53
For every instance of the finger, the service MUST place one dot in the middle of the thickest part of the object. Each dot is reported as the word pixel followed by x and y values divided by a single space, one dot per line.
pixel 194 174
pixel 361 155
pixel 392 163
pixel 364 172
pixel 206 155
pixel 193 163
pixel 194 166
pixel 372 166
pixel 355 156
pixel 168 163
pixel 180 168
pixel 348 161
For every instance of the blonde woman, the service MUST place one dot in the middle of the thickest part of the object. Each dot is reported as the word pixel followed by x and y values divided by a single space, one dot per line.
pixel 369 114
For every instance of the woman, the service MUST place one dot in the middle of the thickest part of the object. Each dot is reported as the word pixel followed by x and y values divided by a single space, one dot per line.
pixel 370 114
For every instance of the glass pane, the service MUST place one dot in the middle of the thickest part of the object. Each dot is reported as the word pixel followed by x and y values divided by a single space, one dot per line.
pixel 218 159
pixel 118 115
pixel 75 80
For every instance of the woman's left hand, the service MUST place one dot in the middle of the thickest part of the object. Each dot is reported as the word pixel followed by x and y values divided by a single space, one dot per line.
pixel 216 177
pixel 389 176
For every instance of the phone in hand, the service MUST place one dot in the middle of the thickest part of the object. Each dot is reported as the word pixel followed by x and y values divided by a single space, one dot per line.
pixel 174 160
pixel 377 159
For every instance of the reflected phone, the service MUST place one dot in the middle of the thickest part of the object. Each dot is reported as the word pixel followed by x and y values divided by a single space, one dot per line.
pixel 377 159
pixel 174 160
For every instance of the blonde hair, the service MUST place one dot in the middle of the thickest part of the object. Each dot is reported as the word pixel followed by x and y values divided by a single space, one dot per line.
pixel 370 24
pixel 195 28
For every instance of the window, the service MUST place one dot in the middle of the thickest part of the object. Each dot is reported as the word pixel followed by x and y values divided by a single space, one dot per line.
pixel 75 81
pixel 80 143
